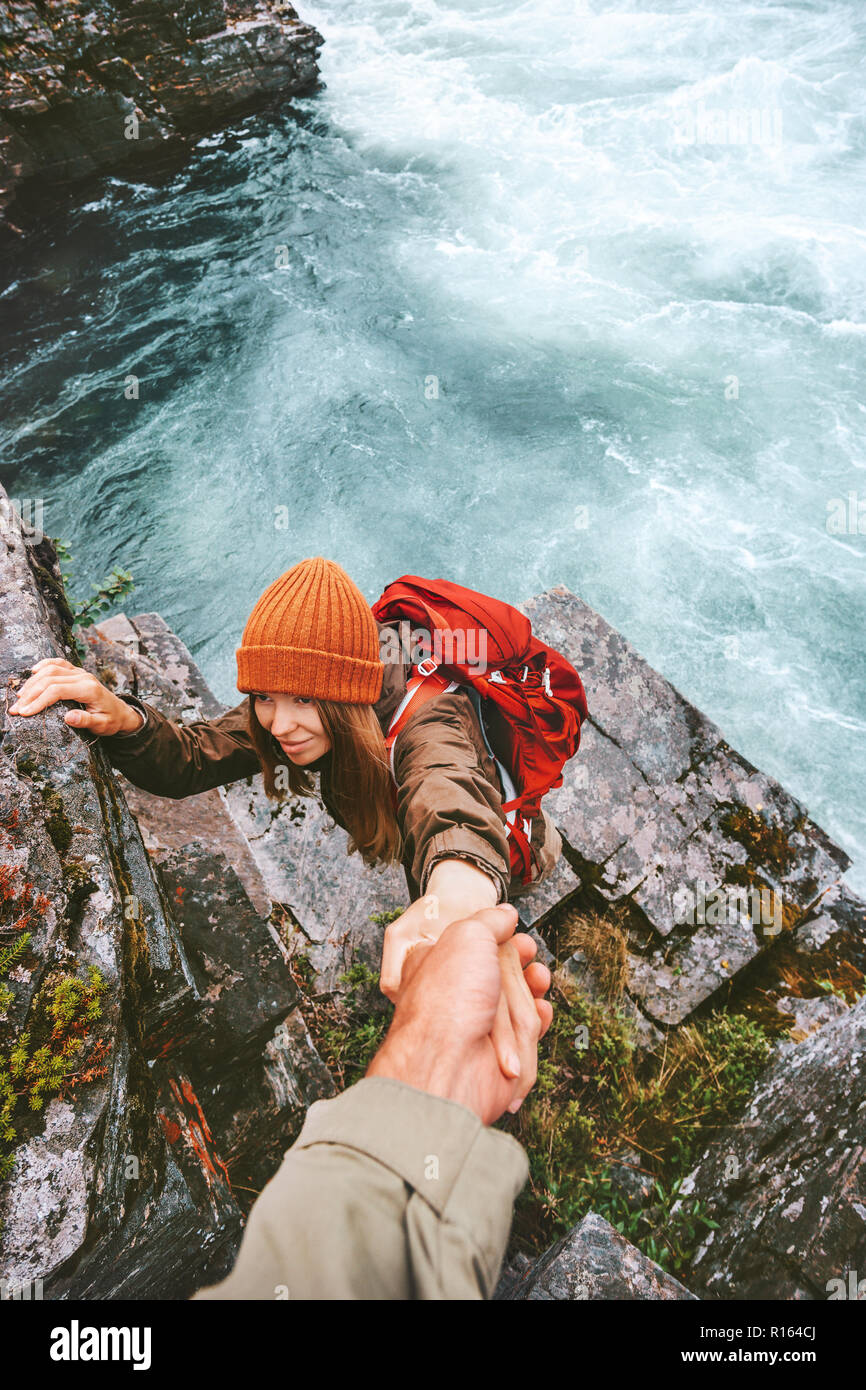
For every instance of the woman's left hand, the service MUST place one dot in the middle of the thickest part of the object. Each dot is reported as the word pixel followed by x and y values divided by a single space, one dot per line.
pixel 456 889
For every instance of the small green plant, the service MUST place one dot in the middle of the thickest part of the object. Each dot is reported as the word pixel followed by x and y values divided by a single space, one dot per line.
pixel 382 919
pixel 830 988
pixel 86 611
pixel 348 1029
pixel 351 1032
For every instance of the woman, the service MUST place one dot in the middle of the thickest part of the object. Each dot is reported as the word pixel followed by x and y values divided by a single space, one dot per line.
pixel 321 700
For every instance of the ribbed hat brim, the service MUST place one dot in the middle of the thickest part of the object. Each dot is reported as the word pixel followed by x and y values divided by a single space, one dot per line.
pixel 305 671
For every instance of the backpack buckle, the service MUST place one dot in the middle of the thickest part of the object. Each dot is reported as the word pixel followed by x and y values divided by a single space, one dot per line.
pixel 427 666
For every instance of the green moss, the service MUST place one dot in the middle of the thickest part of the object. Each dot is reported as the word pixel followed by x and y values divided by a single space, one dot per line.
pixel 78 883
pixel 48 1055
pixel 382 919
pixel 593 1101
pixel 764 842
pixel 56 822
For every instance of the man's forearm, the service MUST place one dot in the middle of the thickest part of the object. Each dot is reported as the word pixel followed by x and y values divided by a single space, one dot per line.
pixel 388 1193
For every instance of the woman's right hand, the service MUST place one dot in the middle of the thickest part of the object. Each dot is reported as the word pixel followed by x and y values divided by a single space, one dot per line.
pixel 54 679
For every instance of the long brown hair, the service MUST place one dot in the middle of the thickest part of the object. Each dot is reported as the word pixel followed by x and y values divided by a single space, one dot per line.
pixel 356 775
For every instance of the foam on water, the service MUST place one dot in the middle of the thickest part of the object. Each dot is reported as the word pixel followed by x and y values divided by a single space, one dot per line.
pixel 572 292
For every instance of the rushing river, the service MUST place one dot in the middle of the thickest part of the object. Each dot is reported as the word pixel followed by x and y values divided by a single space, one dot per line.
pixel 561 292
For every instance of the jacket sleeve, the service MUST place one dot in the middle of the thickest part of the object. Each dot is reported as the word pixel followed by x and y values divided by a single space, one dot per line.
pixel 388 1193
pixel 177 760
pixel 448 805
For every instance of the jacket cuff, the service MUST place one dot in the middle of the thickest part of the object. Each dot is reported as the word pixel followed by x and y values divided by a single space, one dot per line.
pixel 145 728
pixel 469 1174
pixel 459 842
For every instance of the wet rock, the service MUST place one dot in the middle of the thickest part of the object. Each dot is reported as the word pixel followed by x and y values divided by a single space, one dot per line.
pixel 657 810
pixel 249 1058
pixel 808 1015
pixel 143 657
pixel 85 90
pixel 593 1262
pixel 787 1184
pixel 629 1179
pixel 199 1066
pixel 511 1275
pixel 80 849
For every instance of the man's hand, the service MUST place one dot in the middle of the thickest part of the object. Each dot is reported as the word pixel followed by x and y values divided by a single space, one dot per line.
pixel 439 1040
pixel 456 889
pixel 54 679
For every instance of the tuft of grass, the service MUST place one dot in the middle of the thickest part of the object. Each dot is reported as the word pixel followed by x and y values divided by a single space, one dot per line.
pixel 602 940
pixel 596 1096
pixel 349 1029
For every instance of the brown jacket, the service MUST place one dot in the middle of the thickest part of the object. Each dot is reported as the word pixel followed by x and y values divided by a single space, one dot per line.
pixel 449 803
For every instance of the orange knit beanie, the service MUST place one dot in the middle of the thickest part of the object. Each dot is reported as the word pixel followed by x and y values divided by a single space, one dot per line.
pixel 312 633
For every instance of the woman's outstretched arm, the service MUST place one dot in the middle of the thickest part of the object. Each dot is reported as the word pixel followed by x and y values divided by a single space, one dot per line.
pixel 160 755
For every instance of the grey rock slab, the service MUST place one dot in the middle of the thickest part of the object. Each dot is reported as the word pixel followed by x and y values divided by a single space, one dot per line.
pixel 808 1015
pixel 724 782
pixel 305 865
pixel 536 903
pixel 813 935
pixel 840 924
pixel 660 731
pixel 671 984
pixel 167 652
pixel 119 629
pixel 659 867
pixel 599 803
pixel 594 1262
pixel 787 1183
pixel 183 696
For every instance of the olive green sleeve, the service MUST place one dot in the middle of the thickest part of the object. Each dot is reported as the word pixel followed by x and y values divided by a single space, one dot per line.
pixel 388 1193
pixel 176 760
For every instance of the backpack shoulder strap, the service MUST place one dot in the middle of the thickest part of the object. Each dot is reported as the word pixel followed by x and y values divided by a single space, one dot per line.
pixel 419 689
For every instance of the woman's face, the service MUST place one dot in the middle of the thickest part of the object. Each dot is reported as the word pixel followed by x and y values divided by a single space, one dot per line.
pixel 294 722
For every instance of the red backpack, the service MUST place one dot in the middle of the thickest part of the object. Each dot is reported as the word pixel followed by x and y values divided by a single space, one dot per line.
pixel 530 700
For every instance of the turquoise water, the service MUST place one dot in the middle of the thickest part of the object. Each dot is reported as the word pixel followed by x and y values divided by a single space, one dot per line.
pixel 527 294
